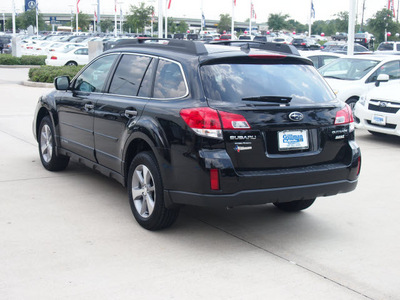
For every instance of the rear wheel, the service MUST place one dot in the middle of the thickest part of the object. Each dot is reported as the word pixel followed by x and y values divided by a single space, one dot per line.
pixel 294 205
pixel 50 160
pixel 71 63
pixel 146 194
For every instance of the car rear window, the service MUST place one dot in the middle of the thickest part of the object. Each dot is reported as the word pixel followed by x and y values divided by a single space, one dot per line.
pixel 385 47
pixel 233 82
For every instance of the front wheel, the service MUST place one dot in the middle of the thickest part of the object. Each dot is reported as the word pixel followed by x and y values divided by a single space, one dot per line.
pixel 47 147
pixel 294 205
pixel 146 194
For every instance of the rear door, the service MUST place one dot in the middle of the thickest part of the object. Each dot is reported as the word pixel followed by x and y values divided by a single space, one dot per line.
pixel 121 107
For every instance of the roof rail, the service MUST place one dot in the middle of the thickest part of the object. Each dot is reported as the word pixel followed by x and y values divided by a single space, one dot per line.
pixel 276 47
pixel 183 46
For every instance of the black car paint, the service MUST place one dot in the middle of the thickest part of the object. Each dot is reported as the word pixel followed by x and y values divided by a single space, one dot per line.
pixel 185 159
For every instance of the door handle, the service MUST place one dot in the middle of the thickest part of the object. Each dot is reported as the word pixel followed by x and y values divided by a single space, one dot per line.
pixel 130 113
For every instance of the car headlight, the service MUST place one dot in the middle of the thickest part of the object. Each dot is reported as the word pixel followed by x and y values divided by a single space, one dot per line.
pixel 362 100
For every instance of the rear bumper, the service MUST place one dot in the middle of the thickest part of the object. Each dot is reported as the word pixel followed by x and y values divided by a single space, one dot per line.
pixel 254 197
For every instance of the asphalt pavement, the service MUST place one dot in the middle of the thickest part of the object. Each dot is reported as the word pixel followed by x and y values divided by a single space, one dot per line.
pixel 71 234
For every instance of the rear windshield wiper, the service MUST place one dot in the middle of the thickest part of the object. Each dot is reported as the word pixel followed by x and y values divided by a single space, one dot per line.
pixel 273 99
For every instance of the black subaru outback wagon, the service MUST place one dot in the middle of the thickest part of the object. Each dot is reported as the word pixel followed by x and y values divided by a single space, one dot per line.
pixel 185 123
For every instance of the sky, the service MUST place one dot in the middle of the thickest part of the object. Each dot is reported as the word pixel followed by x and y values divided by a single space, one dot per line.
pixel 296 9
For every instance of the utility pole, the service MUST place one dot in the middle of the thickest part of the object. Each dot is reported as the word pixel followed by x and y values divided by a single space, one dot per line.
pixel 362 16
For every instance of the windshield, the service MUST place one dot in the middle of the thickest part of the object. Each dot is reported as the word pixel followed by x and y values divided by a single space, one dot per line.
pixel 348 68
pixel 244 82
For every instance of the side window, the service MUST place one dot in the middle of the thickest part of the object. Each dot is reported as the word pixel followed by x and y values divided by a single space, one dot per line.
pixel 391 68
pixel 129 74
pixel 169 82
pixel 92 79
pixel 398 47
pixel 147 83
pixel 81 52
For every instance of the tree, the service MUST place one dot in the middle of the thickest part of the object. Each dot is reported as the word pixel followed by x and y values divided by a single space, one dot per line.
pixel 26 19
pixel 341 23
pixel 294 25
pixel 83 21
pixel 381 20
pixel 107 25
pixel 183 27
pixel 277 22
pixel 139 17
pixel 225 23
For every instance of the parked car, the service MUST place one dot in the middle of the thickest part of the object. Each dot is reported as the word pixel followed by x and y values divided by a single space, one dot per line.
pixel 68 57
pixel 305 44
pixel 320 58
pixel 185 123
pixel 358 49
pixel 332 45
pixel 246 37
pixel 365 39
pixel 378 110
pixel 388 48
pixel 262 38
pixel 282 40
pixel 339 36
pixel 351 77
pixel 5 40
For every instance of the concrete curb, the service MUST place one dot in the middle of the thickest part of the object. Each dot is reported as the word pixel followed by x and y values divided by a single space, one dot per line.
pixel 18 66
pixel 37 84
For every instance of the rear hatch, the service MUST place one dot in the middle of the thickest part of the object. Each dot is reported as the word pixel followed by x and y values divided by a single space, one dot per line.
pixel 280 113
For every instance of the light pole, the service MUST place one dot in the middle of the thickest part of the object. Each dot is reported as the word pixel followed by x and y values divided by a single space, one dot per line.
pixel 13 17
pixel 94 16
pixel 121 16
pixel 72 16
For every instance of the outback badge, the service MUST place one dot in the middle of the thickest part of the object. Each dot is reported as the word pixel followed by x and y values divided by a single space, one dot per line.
pixel 296 116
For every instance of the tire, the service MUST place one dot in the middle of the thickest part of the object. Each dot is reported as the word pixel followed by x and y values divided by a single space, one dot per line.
pixel 294 205
pixel 71 63
pixel 47 147
pixel 146 194
pixel 352 103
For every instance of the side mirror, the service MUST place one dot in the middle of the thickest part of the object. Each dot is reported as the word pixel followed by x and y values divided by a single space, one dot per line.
pixel 62 83
pixel 381 78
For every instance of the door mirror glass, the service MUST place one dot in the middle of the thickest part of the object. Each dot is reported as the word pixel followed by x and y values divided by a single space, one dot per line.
pixel 61 83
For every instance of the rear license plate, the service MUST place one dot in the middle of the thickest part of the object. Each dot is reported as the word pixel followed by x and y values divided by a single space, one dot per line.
pixel 378 119
pixel 293 140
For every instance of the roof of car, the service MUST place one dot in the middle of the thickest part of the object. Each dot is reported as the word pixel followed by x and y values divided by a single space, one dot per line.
pixel 200 49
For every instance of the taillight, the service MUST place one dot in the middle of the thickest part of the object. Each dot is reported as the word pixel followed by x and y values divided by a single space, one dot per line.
pixel 345 116
pixel 210 122
pixel 303 44
pixel 214 179
pixel 53 57
pixel 358 165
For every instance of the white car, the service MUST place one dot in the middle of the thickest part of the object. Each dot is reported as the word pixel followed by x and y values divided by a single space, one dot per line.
pixel 378 111
pixel 321 58
pixel 351 77
pixel 72 57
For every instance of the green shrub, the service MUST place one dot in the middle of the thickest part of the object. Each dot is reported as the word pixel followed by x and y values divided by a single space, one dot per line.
pixel 8 59
pixel 48 73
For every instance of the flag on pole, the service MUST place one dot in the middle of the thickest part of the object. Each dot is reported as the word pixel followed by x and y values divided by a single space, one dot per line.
pixel 115 4
pixel 234 2
pixel 152 15
pixel 77 6
pixel 95 15
pixel 37 7
pixel 203 20
pixel 391 6
pixel 169 4
pixel 312 9
pixel 253 14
